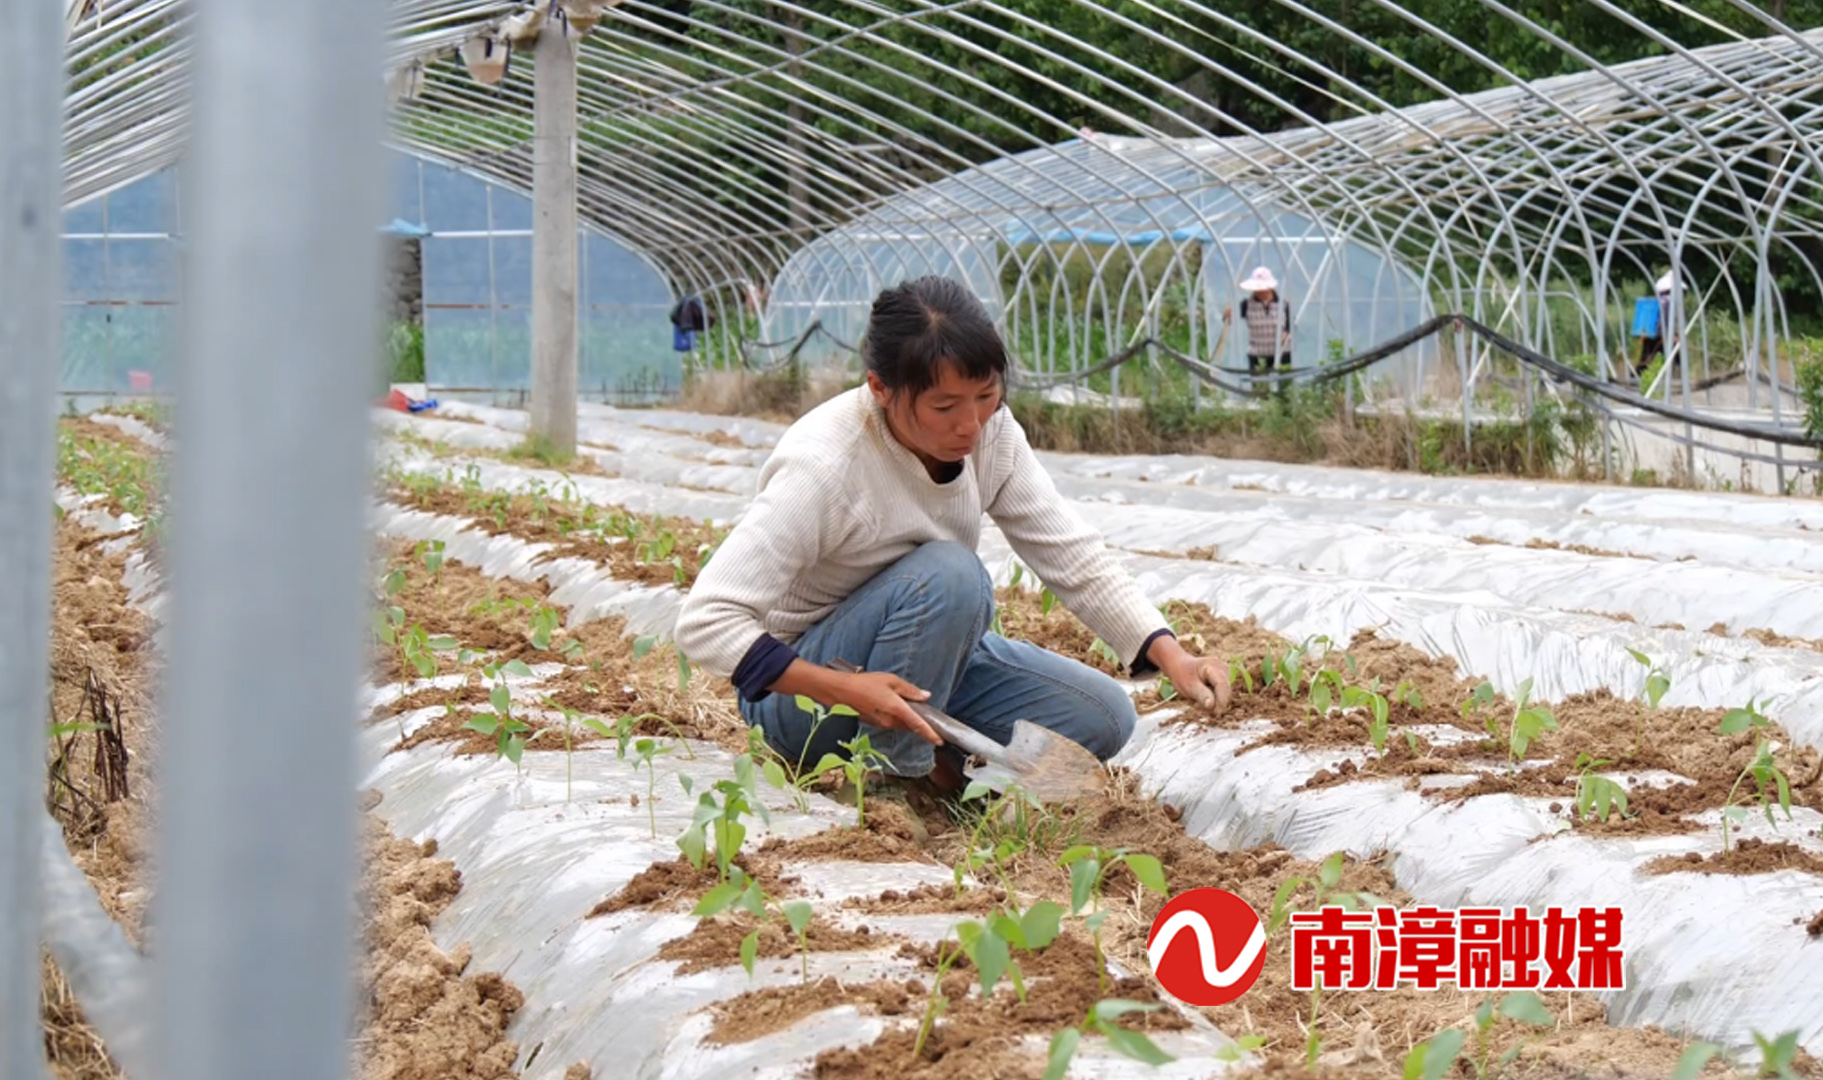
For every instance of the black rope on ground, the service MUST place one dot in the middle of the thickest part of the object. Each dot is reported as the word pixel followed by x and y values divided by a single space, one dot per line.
pixel 1558 373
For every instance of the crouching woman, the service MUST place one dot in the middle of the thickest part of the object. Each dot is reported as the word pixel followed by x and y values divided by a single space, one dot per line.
pixel 860 547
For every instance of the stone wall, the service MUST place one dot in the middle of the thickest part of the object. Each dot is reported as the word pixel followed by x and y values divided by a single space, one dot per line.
pixel 403 284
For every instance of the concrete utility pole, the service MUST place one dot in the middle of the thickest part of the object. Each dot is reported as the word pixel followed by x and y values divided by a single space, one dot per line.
pixel 554 284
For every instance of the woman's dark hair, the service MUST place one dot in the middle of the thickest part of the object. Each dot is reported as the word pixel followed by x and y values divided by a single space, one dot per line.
pixel 917 326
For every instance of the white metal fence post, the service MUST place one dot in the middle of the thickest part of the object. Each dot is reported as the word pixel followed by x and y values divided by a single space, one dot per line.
pixel 253 940
pixel 31 171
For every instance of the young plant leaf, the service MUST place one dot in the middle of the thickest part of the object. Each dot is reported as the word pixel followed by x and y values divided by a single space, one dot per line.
pixel 1525 1007
pixel 1063 1049
pixel 1135 1045
pixel 692 844
pixel 718 899
pixel 797 914
pixel 1149 871
pixel 1330 872
pixel 1041 923
pixel 991 956
pixel 1083 875
pixel 1690 1063
pixel 750 950
pixel 1432 1058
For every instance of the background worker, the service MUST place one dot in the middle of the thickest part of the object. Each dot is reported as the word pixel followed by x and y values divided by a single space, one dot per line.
pixel 1268 319
pixel 860 546
pixel 1652 322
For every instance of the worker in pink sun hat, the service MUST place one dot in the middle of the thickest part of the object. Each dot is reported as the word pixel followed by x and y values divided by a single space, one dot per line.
pixel 1268 319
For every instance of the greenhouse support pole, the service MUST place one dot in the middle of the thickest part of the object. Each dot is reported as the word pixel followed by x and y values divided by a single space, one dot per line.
pixel 31 175
pixel 554 224
pixel 257 846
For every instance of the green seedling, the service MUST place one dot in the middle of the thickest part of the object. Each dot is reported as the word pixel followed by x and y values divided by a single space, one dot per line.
pixel 862 758
pixel 1768 778
pixel 1529 722
pixel 645 643
pixel 1658 682
pixel 1234 1051
pixel 1379 711
pixel 1777 1057
pixel 1435 1057
pixel 646 751
pixel 1046 601
pixel 501 723
pixel 569 724
pixel 1326 688
pixel 1240 674
pixel 1100 1020
pixel 718 820
pixel 430 553
pixel 989 945
pixel 1746 718
pixel 1596 795
pixel 1089 865
pixel 621 731
pixel 1479 700
pixel 744 892
pixel 819 716
pixel 1329 875
pixel 544 623
pixel 1007 825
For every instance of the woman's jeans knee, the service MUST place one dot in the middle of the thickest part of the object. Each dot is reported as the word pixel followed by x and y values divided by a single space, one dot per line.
pixel 926 619
pixel 919 619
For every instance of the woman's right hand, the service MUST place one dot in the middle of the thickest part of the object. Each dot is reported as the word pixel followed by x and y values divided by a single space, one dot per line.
pixel 880 698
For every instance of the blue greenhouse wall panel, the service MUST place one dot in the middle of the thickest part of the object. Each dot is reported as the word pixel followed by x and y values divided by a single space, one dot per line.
pixel 121 289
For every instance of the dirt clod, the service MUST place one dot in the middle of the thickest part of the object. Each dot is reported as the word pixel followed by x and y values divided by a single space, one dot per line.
pixel 1750 856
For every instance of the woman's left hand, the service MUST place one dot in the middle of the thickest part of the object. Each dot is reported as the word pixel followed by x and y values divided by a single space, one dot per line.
pixel 1202 679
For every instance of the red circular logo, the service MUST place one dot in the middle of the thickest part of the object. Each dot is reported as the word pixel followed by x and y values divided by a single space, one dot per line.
pixel 1207 947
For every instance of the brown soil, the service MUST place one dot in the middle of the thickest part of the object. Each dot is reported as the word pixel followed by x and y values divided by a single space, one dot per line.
pixel 976 1035
pixel 1680 740
pixel 1617 616
pixel 931 900
pixel 1750 856
pixel 1815 927
pixel 423 1016
pixel 576 529
pixel 602 680
pixel 713 438
pixel 716 942
pixel 1537 544
pixel 1780 641
pixel 679 885
pixel 581 463
pixel 775 1008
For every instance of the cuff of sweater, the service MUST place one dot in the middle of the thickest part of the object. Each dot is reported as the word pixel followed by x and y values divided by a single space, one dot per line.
pixel 766 660
pixel 1141 665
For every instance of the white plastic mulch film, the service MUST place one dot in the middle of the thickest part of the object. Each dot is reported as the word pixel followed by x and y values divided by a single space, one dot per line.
pixel 1552 582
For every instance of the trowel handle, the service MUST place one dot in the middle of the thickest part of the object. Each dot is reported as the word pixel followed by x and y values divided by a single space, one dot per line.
pixel 954 731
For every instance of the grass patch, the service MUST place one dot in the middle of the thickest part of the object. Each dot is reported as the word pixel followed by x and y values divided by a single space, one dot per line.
pixel 540 448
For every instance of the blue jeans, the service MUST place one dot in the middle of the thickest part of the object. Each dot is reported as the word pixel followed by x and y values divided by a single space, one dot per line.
pixel 925 619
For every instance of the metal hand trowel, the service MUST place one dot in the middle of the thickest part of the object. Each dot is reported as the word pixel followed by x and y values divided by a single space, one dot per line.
pixel 1041 762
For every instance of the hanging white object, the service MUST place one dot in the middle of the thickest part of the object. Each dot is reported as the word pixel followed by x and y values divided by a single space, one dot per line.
pixel 404 83
pixel 486 59
pixel 585 14
pixel 524 27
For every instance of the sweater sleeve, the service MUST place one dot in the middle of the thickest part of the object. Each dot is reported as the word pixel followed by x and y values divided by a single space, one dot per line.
pixel 1070 557
pixel 801 512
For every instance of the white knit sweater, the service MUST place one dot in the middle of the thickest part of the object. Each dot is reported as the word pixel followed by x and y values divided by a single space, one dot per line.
pixel 840 500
